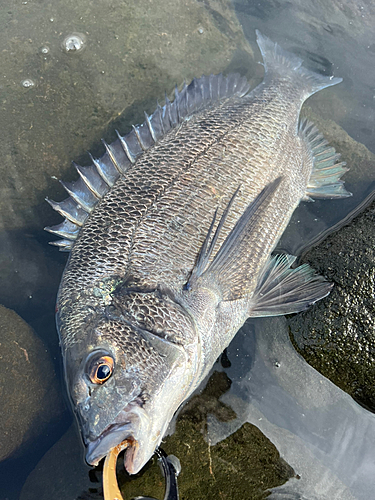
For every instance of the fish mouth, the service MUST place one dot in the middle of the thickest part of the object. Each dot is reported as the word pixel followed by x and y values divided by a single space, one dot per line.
pixel 110 437
pixel 134 428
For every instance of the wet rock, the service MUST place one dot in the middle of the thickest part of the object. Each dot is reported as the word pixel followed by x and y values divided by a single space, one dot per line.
pixel 62 472
pixel 29 392
pixel 337 336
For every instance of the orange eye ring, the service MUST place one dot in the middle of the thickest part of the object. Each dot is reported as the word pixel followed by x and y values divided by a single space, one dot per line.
pixel 101 370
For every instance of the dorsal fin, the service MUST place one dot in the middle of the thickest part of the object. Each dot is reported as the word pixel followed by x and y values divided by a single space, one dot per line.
pixel 97 179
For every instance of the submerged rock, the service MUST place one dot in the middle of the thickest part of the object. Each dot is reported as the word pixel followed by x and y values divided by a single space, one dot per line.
pixel 29 393
pixel 62 472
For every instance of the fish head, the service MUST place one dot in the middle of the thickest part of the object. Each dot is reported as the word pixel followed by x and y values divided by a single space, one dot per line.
pixel 129 376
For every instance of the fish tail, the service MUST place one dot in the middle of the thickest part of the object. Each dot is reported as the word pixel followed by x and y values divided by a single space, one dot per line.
pixel 278 61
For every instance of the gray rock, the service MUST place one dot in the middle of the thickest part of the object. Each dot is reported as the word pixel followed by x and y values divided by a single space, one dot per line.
pixel 29 392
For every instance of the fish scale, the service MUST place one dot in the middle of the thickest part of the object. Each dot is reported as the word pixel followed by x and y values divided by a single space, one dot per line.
pixel 158 220
pixel 170 235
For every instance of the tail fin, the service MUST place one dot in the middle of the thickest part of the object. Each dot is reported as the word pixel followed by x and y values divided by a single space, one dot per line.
pixel 278 61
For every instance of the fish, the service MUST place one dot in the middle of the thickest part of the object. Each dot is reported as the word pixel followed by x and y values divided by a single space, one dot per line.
pixel 171 236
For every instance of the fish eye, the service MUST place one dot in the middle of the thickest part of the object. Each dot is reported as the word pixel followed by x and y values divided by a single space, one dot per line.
pixel 100 369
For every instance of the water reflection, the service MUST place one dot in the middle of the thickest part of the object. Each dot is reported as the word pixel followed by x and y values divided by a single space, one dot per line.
pixel 318 429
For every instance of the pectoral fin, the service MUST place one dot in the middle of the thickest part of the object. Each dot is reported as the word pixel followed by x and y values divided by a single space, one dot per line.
pixel 209 244
pixel 228 270
pixel 282 290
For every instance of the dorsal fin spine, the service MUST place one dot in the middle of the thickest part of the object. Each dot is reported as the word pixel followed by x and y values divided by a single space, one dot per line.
pixel 111 155
pixel 139 138
pixel 125 147
pixel 69 209
pixel 64 245
pixel 161 118
pixel 168 105
pixel 149 125
pixel 176 103
pixel 160 109
pixel 96 179
pixel 103 174
pixel 82 174
pixel 65 229
pixel 88 202
pixel 186 96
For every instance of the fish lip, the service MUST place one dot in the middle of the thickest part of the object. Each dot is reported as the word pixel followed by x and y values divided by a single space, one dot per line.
pixel 108 439
pixel 132 423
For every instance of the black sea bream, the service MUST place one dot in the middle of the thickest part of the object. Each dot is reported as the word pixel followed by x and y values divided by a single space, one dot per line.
pixel 170 236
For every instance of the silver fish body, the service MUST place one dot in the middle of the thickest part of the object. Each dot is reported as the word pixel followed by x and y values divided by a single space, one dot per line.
pixel 170 246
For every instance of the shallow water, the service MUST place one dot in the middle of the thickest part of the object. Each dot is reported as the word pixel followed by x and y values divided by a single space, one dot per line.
pixel 319 430
pixel 73 72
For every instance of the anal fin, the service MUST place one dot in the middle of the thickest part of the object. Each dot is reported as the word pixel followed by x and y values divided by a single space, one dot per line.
pixel 282 290
pixel 325 180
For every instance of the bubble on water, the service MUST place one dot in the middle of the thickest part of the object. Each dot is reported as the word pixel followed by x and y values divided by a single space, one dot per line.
pixel 44 50
pixel 73 43
pixel 27 83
